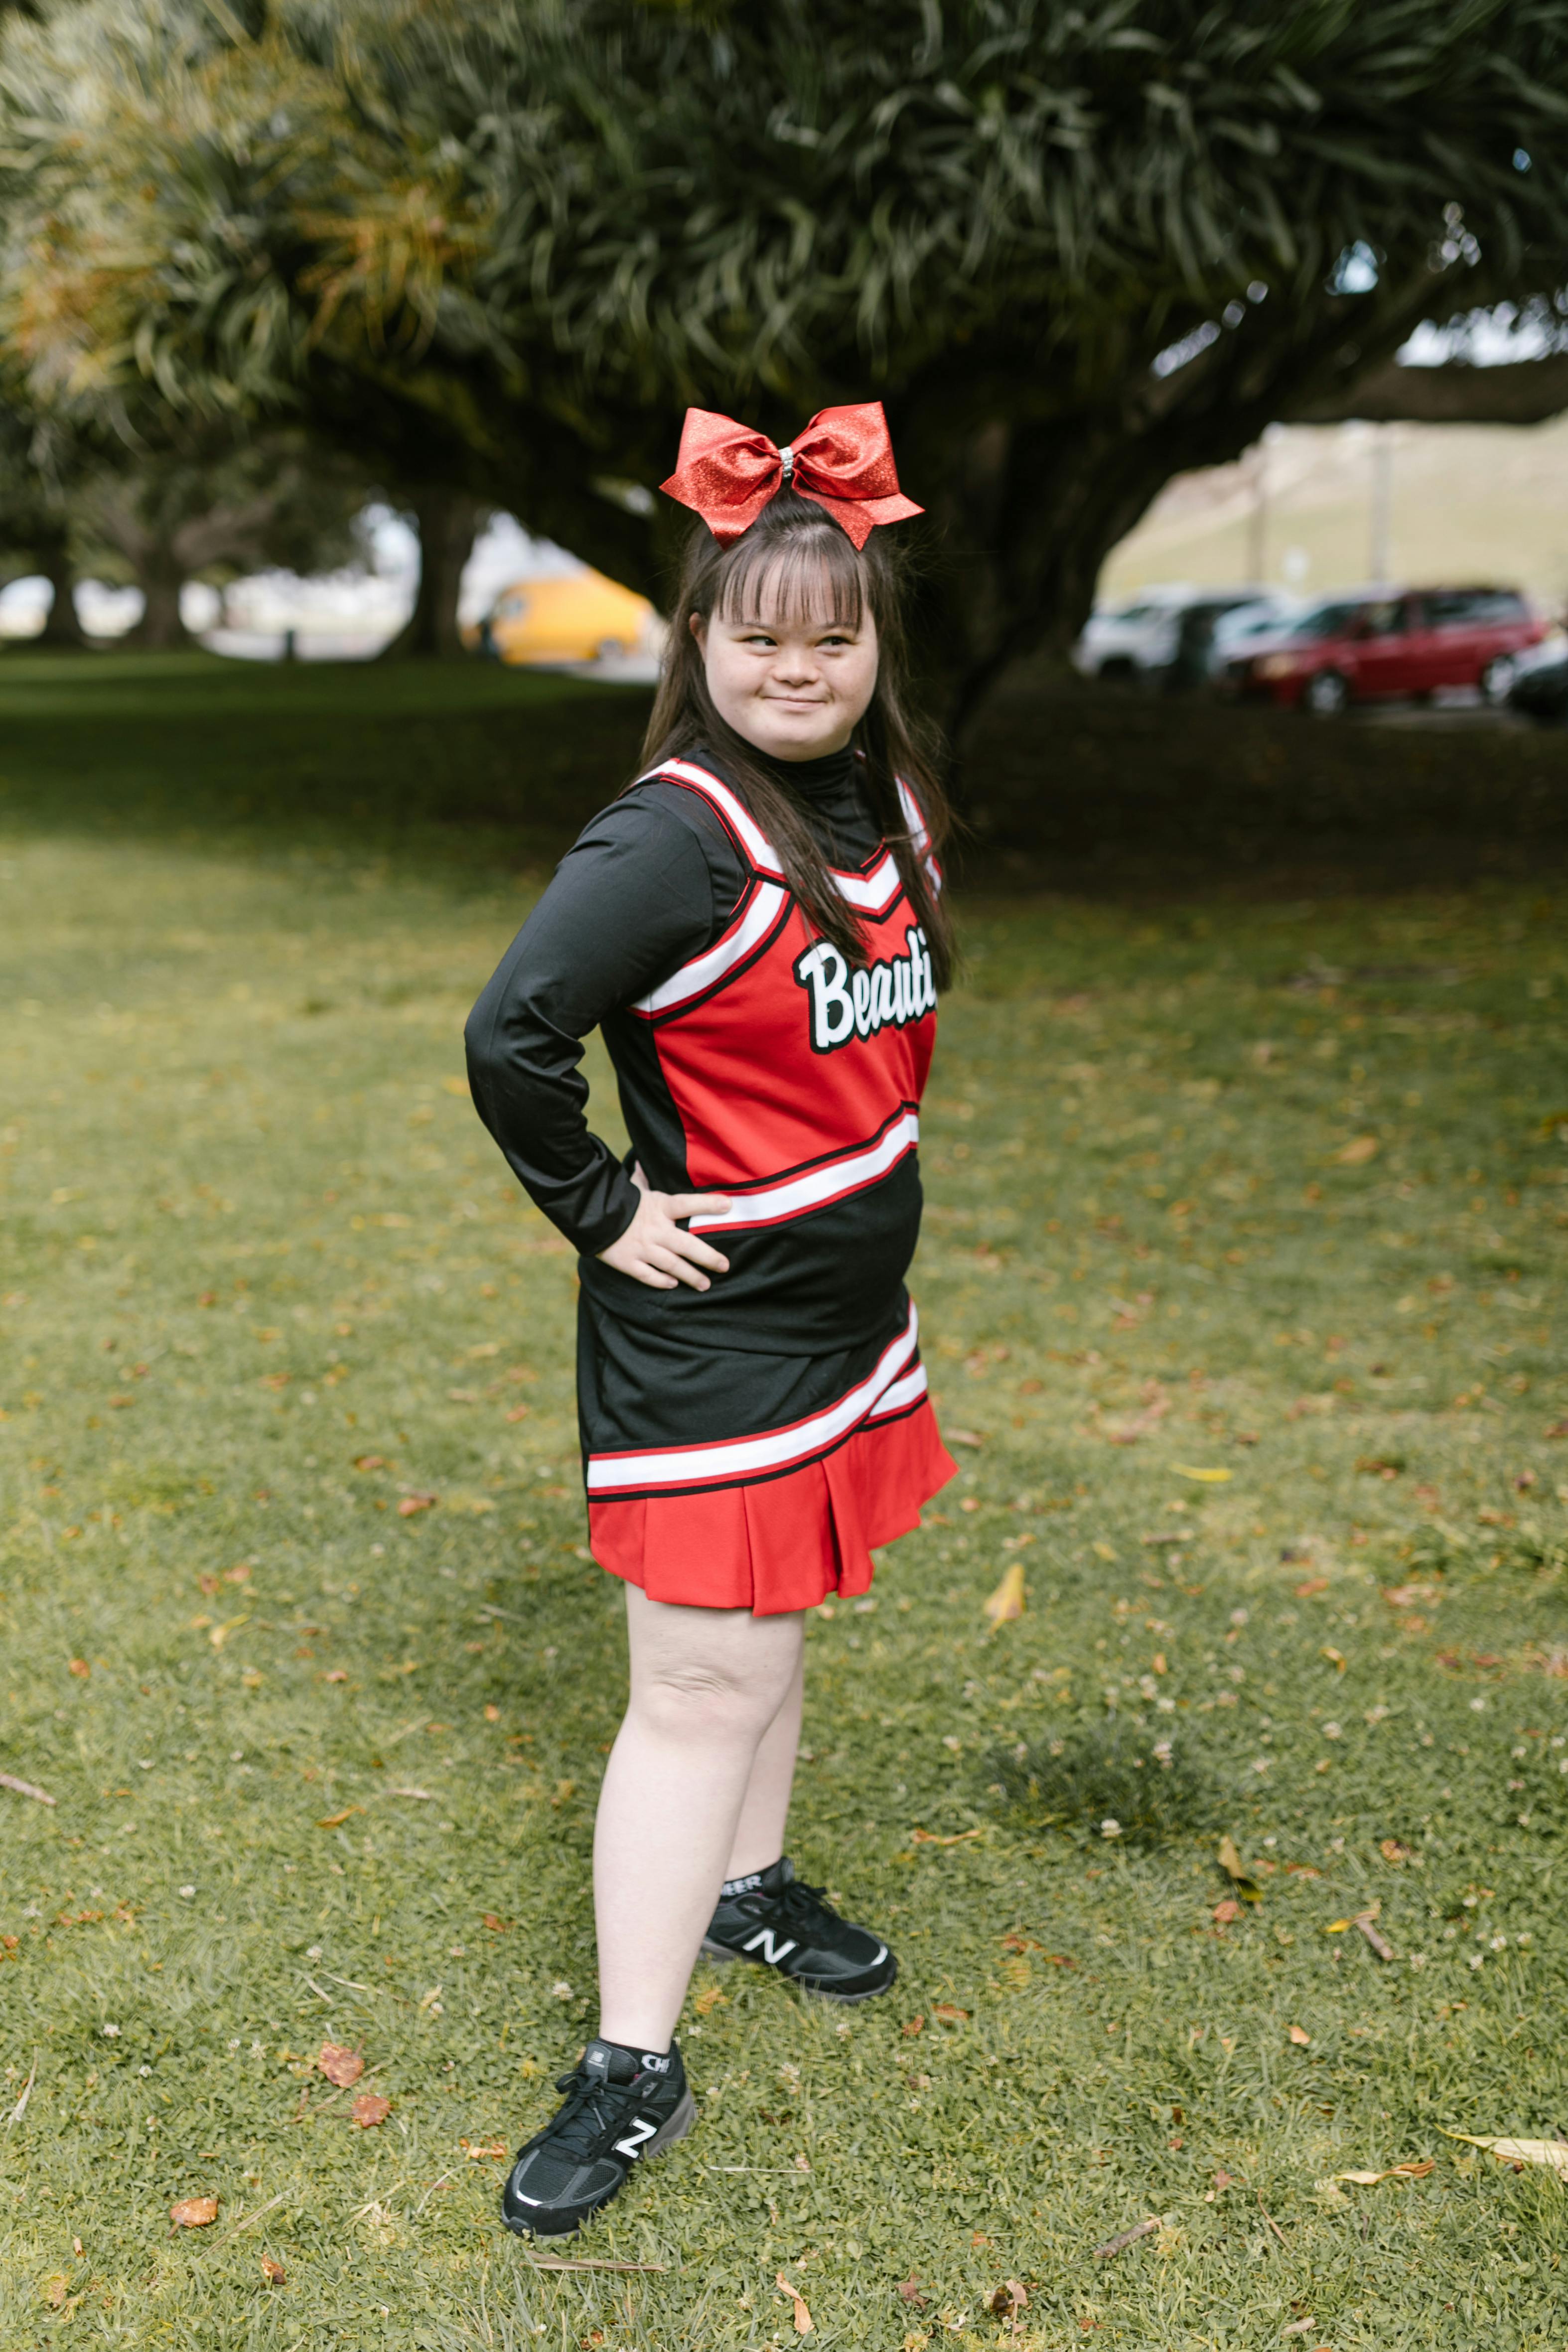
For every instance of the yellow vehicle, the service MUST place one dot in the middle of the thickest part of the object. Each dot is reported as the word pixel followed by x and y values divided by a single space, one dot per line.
pixel 575 617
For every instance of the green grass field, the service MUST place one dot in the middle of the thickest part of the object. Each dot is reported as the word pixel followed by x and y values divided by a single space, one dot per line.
pixel 1241 1287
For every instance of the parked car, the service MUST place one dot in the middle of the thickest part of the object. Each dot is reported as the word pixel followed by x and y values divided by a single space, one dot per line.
pixel 1161 637
pixel 575 616
pixel 1539 686
pixel 1369 647
pixel 1238 632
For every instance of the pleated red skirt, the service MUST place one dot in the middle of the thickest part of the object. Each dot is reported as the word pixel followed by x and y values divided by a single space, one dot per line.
pixel 783 1543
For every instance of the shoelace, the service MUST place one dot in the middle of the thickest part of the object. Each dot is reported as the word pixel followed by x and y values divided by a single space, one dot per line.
pixel 806 1906
pixel 588 2117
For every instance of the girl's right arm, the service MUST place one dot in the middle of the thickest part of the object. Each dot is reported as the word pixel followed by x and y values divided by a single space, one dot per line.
pixel 632 900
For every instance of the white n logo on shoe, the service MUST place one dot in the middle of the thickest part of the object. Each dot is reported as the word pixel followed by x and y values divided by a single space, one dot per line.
pixel 632 2144
pixel 762 1941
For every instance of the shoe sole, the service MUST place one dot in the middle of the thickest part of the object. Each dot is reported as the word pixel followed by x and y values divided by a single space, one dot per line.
pixel 679 2124
pixel 720 1954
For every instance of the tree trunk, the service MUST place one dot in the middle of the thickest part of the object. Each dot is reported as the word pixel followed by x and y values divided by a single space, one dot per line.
pixel 448 523
pixel 161 630
pixel 62 630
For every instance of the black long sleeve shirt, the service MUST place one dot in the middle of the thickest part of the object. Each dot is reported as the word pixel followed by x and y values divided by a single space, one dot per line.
pixel 652 881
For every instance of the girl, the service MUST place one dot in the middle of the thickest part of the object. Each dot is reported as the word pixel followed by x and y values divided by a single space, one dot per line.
pixel 757 926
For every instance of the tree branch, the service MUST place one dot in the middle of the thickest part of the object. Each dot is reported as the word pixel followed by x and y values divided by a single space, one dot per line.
pixel 1516 392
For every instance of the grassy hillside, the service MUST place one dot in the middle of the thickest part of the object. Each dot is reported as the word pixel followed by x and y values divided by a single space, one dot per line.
pixel 1469 503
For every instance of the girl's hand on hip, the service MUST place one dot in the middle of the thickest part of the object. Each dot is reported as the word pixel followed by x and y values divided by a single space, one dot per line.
pixel 655 1250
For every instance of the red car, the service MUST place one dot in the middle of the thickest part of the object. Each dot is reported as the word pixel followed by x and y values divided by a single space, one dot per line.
pixel 1366 648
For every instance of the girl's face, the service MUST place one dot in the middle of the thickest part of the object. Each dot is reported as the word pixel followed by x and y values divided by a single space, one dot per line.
pixel 794 687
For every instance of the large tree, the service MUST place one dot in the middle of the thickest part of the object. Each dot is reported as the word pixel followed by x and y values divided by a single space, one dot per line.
pixel 1075 250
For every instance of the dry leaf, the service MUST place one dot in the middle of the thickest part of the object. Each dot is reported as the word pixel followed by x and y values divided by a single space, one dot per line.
pixel 519 1413
pixel 193 2212
pixel 711 1997
pixel 1205 1477
pixel 273 2269
pixel 915 2025
pixel 54 2289
pixel 802 2316
pixel 340 2064
pixel 911 2291
pixel 494 1922
pixel 371 2108
pixel 1007 1601
pixel 1364 1920
pixel 1125 2238
pixel 946 2014
pixel 1010 2296
pixel 24 1789
pixel 1312 1587
pixel 1404 2171
pixel 959 1837
pixel 964 1436
pixel 336 1675
pixel 1358 1151
pixel 1302 2039
pixel 1551 2152
pixel 1230 1862
pixel 80 1669
pixel 481 2151
pixel 335 1821
pixel 409 1504
pixel 370 1462
pixel 1391 1851
pixel 1226 1911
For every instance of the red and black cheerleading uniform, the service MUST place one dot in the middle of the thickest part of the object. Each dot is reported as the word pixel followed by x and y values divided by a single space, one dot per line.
pixel 745 1446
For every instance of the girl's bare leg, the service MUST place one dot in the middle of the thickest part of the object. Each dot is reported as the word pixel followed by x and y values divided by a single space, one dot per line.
pixel 759 1837
pixel 707 1686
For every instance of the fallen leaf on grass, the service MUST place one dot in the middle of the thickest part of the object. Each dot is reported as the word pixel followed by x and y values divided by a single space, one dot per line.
pixel 1226 1911
pixel 1358 1151
pixel 1557 1428
pixel 340 2064
pixel 1395 2172
pixel 1205 1477
pixel 193 2212
pixel 1391 1851
pixel 711 1997
pixel 964 1436
pixel 587 2263
pixel 410 1503
pixel 1312 1587
pixel 1230 1862
pixel 371 2108
pixel 482 2151
pixel 1365 1921
pixel 20 2109
pixel 959 1837
pixel 947 2013
pixel 910 2290
pixel 336 1820
pixel 519 1413
pixel 24 1789
pixel 1007 1601
pixel 1010 2296
pixel 1551 2152
pixel 1125 2238
pixel 336 1675
pixel 1302 2039
pixel 370 1462
pixel 273 2269
pixel 915 2025
pixel 802 2316
pixel 54 2289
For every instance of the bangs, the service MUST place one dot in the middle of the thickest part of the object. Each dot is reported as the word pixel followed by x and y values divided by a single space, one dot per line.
pixel 809 573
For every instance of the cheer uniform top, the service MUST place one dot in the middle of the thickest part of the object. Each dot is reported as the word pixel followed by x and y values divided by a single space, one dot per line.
pixel 746 1445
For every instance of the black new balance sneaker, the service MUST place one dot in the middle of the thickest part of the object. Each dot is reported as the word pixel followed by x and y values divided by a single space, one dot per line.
pixel 622 2105
pixel 773 1918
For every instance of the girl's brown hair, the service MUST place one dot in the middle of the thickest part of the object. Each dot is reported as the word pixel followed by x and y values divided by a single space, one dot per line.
pixel 792 553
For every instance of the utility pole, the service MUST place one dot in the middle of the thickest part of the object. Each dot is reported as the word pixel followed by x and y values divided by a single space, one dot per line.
pixel 1257 519
pixel 1382 503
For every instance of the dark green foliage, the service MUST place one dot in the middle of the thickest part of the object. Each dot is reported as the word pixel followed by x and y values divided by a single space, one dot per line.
pixel 1104 1783
pixel 509 242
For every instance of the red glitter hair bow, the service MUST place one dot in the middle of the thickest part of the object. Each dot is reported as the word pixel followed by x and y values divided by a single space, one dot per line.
pixel 843 460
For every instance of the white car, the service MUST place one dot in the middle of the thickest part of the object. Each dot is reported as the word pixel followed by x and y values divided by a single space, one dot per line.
pixel 1131 640
pixel 1166 635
